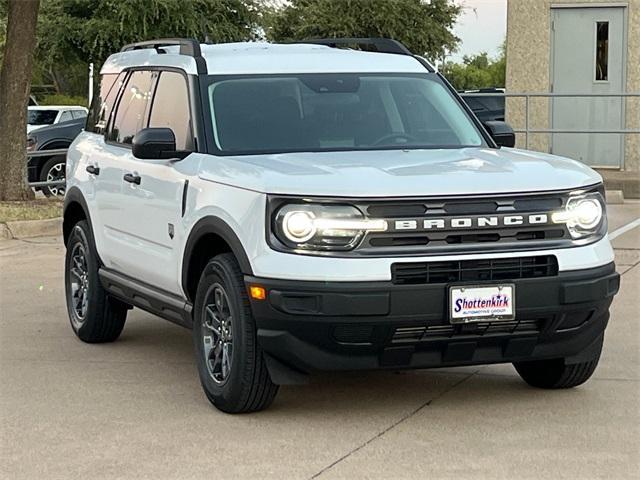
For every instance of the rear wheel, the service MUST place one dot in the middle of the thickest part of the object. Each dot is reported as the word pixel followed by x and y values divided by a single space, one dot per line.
pixel 230 362
pixel 95 316
pixel 554 374
pixel 52 171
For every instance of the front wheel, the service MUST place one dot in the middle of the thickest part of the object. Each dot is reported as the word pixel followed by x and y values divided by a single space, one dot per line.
pixel 555 374
pixel 230 362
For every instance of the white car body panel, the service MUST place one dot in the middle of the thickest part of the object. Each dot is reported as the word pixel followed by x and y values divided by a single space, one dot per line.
pixel 270 264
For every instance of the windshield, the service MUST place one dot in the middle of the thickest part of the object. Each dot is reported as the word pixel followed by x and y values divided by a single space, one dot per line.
pixel 329 112
pixel 41 117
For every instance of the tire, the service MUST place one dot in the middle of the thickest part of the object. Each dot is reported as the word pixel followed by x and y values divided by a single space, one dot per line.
pixel 224 333
pixel 95 316
pixel 555 374
pixel 53 169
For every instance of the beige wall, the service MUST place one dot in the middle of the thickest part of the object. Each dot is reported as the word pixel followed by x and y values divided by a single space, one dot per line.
pixel 528 68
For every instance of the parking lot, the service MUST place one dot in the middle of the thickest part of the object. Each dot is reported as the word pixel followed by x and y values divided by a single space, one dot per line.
pixel 135 409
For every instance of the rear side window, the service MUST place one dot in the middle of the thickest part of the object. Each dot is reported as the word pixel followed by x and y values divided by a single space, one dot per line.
pixel 102 103
pixel 171 108
pixel 133 108
pixel 78 114
pixel 66 116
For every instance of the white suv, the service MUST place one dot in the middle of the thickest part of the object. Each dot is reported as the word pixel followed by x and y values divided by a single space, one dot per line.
pixel 305 207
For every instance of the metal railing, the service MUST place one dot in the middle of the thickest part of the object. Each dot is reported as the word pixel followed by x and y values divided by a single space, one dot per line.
pixel 47 153
pixel 528 131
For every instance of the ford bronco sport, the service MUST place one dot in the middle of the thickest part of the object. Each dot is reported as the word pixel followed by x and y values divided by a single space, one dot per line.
pixel 308 207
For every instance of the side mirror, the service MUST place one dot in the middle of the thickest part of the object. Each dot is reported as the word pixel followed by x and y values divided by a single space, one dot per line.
pixel 156 144
pixel 502 133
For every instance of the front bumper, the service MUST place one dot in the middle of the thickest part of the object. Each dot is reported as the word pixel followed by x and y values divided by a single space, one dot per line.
pixel 310 326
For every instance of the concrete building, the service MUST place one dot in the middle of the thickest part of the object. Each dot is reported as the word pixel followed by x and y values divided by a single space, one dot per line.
pixel 570 47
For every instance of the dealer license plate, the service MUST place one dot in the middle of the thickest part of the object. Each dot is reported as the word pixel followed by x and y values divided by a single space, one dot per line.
pixel 469 303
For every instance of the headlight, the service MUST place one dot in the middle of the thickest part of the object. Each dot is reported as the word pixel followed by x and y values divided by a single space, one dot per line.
pixel 323 227
pixel 583 214
pixel 31 144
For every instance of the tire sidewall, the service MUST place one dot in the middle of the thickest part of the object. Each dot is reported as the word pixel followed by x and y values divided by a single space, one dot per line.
pixel 230 391
pixel 81 233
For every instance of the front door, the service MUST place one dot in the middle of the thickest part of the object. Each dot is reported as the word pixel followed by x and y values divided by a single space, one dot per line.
pixel 152 225
pixel 588 57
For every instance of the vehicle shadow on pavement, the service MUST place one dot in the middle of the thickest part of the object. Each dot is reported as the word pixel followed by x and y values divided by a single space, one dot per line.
pixel 364 392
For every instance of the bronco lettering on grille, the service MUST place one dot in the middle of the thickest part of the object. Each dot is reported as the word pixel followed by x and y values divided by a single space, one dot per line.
pixel 470 223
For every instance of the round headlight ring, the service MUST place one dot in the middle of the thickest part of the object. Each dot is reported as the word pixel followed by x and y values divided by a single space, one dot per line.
pixel 587 213
pixel 298 226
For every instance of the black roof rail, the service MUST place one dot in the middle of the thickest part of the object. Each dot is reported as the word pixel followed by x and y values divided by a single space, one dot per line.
pixel 381 45
pixel 188 46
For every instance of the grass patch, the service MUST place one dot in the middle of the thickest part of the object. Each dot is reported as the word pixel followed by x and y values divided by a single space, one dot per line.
pixel 32 210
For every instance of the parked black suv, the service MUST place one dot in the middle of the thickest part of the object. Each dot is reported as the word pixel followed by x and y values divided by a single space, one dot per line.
pixel 51 168
pixel 486 103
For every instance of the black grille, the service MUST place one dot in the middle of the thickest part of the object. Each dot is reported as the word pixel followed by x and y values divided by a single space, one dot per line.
pixel 353 334
pixel 439 332
pixel 410 233
pixel 474 270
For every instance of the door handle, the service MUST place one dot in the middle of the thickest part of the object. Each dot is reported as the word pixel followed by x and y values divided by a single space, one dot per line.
pixel 131 178
pixel 93 170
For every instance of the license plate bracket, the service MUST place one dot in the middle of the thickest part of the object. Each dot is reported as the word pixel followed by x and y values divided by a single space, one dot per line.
pixel 482 303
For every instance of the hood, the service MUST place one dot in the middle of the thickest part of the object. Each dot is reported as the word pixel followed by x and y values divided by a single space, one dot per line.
pixel 69 128
pixel 400 173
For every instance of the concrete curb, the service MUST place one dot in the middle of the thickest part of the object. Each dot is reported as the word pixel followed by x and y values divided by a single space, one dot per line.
pixel 31 228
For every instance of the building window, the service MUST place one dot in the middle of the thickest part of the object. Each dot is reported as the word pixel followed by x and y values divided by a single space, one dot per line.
pixel 602 51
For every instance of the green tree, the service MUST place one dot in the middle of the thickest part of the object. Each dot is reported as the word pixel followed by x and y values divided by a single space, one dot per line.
pixel 424 27
pixel 76 32
pixel 478 71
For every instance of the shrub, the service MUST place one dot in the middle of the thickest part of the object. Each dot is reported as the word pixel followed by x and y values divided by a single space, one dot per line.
pixel 59 99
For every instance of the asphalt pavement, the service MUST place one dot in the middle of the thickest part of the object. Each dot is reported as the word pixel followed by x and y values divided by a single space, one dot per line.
pixel 135 409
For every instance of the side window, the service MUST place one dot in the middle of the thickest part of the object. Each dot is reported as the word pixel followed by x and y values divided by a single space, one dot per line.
pixel 66 116
pixel 131 114
pixel 103 102
pixel 78 113
pixel 171 108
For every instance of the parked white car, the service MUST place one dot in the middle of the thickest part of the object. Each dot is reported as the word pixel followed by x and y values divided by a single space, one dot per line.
pixel 306 208
pixel 41 116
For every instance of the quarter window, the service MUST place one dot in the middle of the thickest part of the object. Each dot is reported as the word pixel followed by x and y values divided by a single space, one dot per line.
pixel 132 111
pixel 602 51
pixel 171 108
pixel 103 102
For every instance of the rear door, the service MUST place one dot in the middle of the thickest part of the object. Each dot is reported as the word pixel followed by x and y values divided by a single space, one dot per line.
pixel 100 167
pixel 130 115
